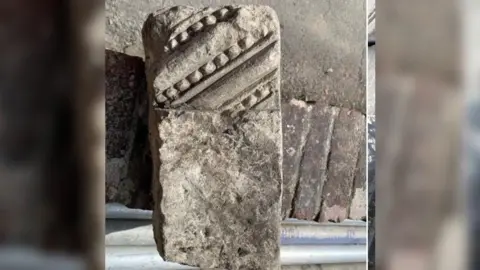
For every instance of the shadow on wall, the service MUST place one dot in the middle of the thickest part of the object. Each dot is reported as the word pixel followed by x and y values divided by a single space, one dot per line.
pixel 128 164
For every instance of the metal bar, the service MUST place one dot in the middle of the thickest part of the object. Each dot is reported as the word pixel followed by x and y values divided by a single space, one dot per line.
pixel 140 232
pixel 301 255
pixel 146 257
pixel 134 227
pixel 129 242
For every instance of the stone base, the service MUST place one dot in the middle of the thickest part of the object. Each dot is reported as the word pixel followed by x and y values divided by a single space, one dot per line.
pixel 218 191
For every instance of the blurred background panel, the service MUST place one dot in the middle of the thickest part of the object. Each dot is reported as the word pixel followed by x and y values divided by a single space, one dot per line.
pixel 51 135
pixel 419 117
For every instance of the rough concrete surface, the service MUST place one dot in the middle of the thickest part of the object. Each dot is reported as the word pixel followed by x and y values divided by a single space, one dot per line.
pixel 215 135
pixel 322 46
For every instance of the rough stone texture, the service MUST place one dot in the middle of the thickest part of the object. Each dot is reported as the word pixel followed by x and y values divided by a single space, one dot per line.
pixel 125 88
pixel 221 190
pixel 215 125
pixel 321 146
pixel 123 75
pixel 313 168
pixel 296 115
pixel 337 191
pixel 322 45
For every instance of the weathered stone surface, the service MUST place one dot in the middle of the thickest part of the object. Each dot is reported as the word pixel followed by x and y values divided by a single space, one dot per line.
pixel 125 88
pixel 346 140
pixel 296 124
pixel 322 43
pixel 313 169
pixel 223 59
pixel 220 205
pixel 215 125
pixel 309 153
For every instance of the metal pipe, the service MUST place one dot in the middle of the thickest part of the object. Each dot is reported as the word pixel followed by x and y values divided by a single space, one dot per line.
pixel 300 255
pixel 146 257
pixel 140 233
pixel 133 227
pixel 130 244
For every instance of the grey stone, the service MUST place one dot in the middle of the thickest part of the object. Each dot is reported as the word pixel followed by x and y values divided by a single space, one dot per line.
pixel 317 36
pixel 348 131
pixel 221 185
pixel 296 123
pixel 313 168
pixel 125 84
pixel 229 65
pixel 124 75
pixel 215 125
pixel 321 146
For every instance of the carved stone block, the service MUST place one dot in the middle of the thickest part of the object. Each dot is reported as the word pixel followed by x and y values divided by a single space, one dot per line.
pixel 215 131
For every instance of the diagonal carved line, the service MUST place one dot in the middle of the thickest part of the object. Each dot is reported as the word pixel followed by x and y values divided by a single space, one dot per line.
pixel 263 44
pixel 327 153
pixel 301 155
pixel 263 79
